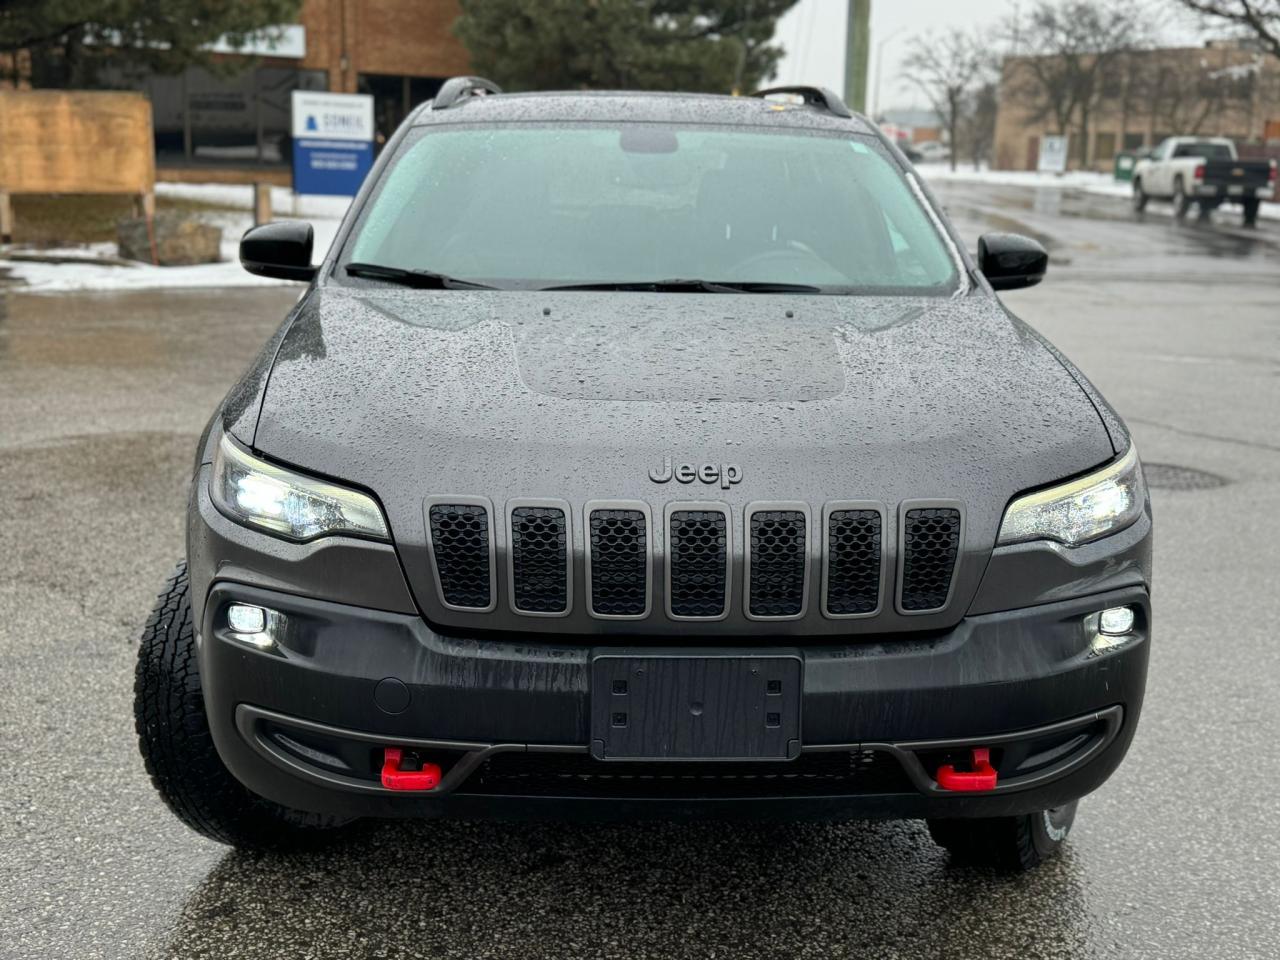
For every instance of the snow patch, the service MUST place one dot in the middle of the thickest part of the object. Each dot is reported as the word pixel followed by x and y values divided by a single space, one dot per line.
pixel 1100 184
pixel 324 214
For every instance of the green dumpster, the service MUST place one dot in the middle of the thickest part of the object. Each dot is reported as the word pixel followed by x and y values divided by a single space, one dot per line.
pixel 1126 160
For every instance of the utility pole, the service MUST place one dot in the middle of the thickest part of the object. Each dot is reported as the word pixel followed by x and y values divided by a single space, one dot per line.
pixel 857 50
pixel 742 50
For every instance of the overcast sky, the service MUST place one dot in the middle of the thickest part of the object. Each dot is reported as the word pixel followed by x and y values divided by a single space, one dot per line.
pixel 813 34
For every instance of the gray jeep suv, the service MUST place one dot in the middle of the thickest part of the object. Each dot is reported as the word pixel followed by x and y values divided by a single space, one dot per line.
pixel 651 455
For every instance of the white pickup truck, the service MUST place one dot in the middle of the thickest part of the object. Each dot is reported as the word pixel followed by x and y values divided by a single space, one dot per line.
pixel 1204 171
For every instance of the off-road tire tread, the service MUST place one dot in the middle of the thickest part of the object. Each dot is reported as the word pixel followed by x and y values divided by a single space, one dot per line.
pixel 1006 844
pixel 177 746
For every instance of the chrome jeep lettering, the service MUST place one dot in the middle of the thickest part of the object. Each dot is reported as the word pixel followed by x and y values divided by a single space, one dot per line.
pixel 726 474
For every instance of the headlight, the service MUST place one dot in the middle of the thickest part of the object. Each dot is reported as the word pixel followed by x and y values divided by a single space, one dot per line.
pixel 288 504
pixel 1103 502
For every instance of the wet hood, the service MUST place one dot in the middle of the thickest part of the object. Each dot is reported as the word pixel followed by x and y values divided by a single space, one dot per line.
pixel 581 396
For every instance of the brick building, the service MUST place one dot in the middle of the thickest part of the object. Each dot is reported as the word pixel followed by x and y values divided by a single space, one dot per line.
pixel 234 125
pixel 1220 89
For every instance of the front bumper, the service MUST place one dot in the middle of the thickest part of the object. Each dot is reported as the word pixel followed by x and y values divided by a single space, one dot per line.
pixel 303 721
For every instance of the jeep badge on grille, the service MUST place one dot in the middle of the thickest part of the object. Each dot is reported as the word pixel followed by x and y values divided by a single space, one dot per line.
pixel 726 474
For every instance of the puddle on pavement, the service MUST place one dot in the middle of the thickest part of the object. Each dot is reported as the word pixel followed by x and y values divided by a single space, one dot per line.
pixel 1172 476
pixel 147 329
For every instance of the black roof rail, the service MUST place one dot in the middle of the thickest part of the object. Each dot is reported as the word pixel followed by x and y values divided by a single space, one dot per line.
pixel 814 96
pixel 456 89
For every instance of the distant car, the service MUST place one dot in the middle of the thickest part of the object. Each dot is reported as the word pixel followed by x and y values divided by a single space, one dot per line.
pixel 636 455
pixel 911 153
pixel 932 151
pixel 1203 171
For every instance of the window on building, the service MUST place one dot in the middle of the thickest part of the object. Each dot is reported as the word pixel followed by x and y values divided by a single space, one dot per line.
pixel 394 97
pixel 204 118
pixel 1104 147
pixel 1133 141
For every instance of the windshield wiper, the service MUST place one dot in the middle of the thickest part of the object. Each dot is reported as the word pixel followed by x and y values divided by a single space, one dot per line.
pixel 425 279
pixel 694 286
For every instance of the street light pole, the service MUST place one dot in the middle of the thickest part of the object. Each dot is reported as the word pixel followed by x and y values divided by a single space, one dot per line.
pixel 879 63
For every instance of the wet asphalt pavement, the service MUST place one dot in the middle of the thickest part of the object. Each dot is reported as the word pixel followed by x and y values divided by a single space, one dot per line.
pixel 101 400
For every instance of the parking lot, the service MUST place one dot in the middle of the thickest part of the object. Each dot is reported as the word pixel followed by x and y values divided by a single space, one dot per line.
pixel 102 397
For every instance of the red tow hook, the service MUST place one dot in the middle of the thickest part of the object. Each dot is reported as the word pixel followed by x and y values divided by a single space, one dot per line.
pixel 393 778
pixel 981 777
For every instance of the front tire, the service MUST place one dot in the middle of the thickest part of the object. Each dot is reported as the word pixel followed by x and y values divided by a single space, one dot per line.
pixel 1140 197
pixel 1181 202
pixel 1010 844
pixel 178 749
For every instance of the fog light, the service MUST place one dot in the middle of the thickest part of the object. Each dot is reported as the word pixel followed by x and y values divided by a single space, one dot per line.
pixel 243 618
pixel 1116 621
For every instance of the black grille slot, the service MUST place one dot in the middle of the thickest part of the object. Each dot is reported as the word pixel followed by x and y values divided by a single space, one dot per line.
pixel 539 555
pixel 699 553
pixel 777 563
pixel 853 561
pixel 619 563
pixel 578 775
pixel 930 543
pixel 460 541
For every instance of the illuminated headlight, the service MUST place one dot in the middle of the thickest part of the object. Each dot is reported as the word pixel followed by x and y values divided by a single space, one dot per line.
pixel 1105 501
pixel 288 504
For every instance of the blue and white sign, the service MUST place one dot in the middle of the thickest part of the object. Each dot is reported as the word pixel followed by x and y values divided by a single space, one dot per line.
pixel 332 142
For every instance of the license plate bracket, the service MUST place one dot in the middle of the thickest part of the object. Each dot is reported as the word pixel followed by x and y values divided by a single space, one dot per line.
pixel 696 706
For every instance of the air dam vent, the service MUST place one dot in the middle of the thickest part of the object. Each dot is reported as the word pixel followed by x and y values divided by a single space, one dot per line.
pixel 619 562
pixel 698 564
pixel 778 563
pixel 463 553
pixel 854 539
pixel 930 546
pixel 540 560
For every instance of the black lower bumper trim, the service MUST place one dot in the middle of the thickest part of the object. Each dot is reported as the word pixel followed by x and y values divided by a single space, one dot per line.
pixel 1030 758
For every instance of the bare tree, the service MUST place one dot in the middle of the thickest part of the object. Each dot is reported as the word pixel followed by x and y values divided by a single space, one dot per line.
pixel 1071 50
pixel 977 129
pixel 947 69
pixel 1187 93
pixel 1259 17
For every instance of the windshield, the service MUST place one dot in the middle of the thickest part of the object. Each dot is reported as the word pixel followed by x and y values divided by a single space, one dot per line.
pixel 1205 149
pixel 561 205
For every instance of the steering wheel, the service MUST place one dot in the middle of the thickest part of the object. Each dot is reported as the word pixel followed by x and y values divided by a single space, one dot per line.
pixel 797 257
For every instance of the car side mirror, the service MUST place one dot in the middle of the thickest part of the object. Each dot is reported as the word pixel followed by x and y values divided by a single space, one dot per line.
pixel 281 249
pixel 1011 261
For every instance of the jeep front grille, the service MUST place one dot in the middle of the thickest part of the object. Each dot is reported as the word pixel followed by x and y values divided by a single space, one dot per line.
pixel 619 562
pixel 697 565
pixel 463 554
pixel 930 545
pixel 539 560
pixel 853 558
pixel 778 563
pixel 704 560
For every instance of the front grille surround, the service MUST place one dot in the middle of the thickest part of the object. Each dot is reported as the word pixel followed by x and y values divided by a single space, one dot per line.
pixel 514 510
pixel 835 510
pixel 783 512
pixel 441 576
pixel 955 518
pixel 614 506
pixel 672 554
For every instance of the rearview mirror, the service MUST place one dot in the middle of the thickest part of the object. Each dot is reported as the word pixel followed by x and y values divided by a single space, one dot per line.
pixel 1011 261
pixel 281 249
